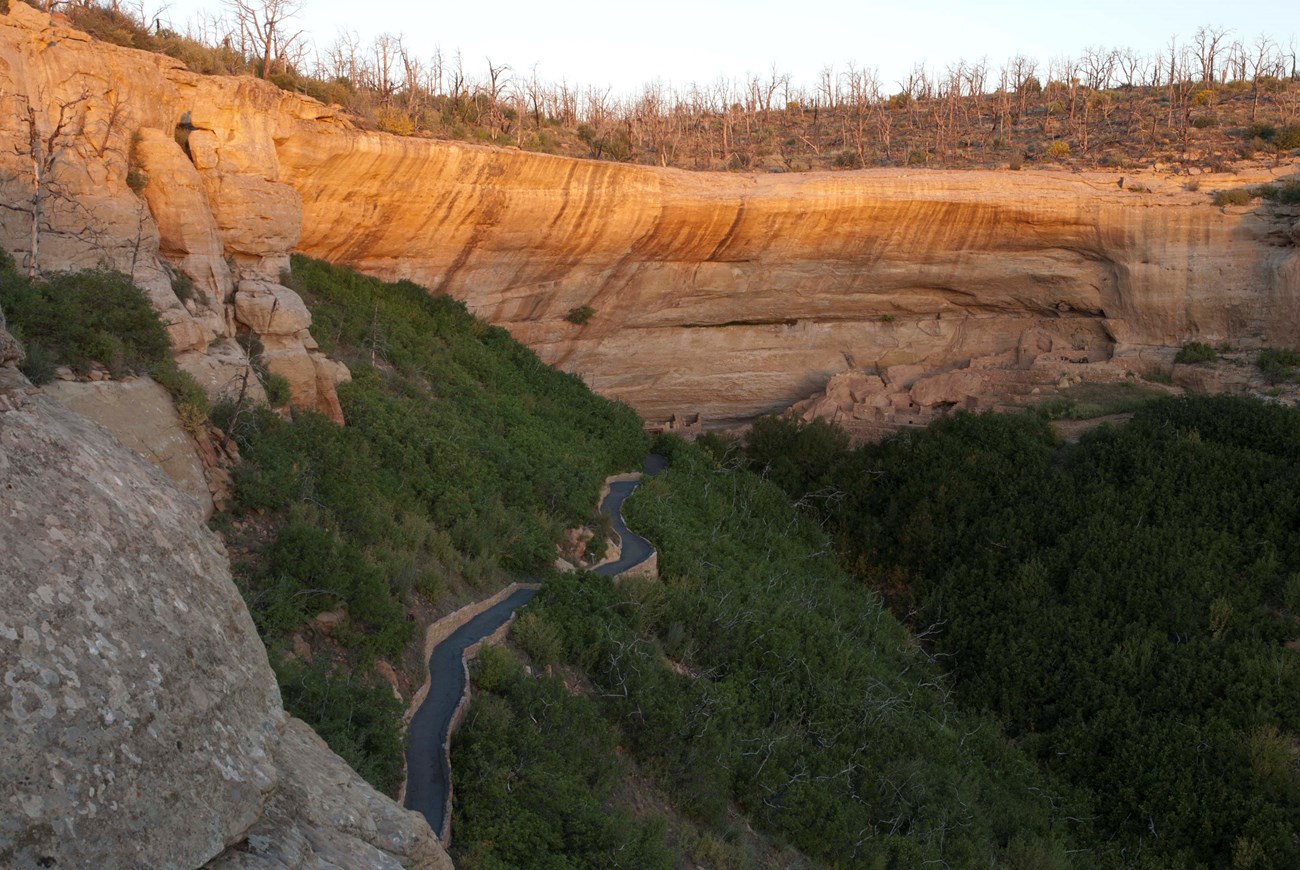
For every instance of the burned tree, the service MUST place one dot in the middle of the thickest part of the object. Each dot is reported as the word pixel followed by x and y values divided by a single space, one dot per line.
pixel 46 144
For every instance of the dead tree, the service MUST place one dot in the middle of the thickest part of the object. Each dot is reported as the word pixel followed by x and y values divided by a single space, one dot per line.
pixel 263 27
pixel 45 147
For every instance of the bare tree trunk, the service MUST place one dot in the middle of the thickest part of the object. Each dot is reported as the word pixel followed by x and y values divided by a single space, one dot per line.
pixel 38 190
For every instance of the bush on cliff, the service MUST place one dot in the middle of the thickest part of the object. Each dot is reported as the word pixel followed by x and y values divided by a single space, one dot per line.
pixel 93 316
pixel 1278 364
pixel 356 715
pixel 1195 352
pixel 84 317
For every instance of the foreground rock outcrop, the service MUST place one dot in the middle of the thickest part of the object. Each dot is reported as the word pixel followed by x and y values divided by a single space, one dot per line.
pixel 722 294
pixel 143 726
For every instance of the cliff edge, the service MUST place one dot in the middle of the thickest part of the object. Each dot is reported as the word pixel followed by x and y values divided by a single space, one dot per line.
pixel 144 726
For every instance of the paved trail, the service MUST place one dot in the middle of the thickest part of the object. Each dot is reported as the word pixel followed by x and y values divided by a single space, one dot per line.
pixel 428 775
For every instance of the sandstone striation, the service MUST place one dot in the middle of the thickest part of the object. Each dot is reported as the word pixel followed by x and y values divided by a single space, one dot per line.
pixel 733 295
pixel 143 725
pixel 722 294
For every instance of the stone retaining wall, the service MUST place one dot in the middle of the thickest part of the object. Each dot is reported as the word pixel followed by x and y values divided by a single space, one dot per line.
pixel 435 634
pixel 443 628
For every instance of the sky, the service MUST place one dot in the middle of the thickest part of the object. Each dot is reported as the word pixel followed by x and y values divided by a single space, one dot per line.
pixel 623 45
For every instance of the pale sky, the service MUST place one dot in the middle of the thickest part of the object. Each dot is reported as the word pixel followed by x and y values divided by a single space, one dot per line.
pixel 624 44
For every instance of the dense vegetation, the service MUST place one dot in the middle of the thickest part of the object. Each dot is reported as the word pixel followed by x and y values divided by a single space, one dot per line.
pixel 758 673
pixel 356 715
pixel 1121 605
pixel 463 459
pixel 534 770
pixel 1205 101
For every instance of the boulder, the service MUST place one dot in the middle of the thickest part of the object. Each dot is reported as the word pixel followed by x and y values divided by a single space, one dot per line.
pixel 901 377
pixel 187 231
pixel 270 309
pixel 221 372
pixel 949 388
pixel 852 387
pixel 144 716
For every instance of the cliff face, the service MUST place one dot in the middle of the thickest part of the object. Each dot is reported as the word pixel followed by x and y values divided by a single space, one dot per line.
pixel 732 295
pixel 143 726
pixel 119 152
pixel 728 295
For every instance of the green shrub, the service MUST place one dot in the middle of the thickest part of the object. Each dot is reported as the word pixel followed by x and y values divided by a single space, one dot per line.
pixel 277 389
pixel 1195 352
pixel 1056 408
pixel 84 317
pixel 1287 138
pixel 581 315
pixel 39 364
pixel 1204 122
pixel 1236 196
pixel 136 180
pixel 602 529
pixel 310 568
pixel 847 159
pixel 358 716
pixel 539 639
pixel 1278 364
pixel 795 455
pixel 1284 193
pixel 535 771
pixel 182 285
pixel 181 384
pixel 1260 130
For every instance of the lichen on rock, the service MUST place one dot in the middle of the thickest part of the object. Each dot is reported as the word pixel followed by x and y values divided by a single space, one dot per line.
pixel 143 725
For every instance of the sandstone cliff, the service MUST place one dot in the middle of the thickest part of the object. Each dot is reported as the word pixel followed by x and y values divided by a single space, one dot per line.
pixel 732 295
pixel 134 177
pixel 144 725
pixel 724 294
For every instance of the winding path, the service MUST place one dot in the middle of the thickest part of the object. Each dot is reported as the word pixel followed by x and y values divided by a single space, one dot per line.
pixel 428 765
